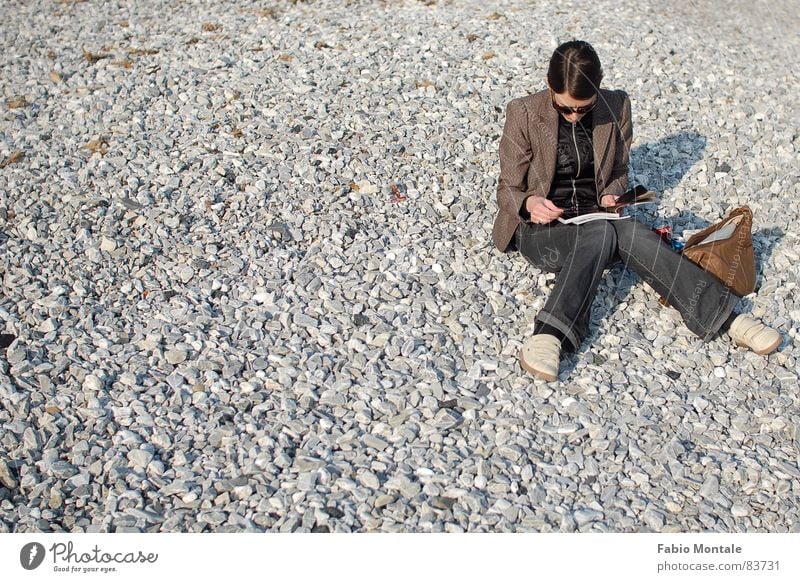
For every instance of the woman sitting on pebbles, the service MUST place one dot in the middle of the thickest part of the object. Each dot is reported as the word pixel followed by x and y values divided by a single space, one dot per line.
pixel 564 152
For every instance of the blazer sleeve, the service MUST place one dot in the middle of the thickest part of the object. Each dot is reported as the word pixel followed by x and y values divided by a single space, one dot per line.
pixel 515 159
pixel 618 181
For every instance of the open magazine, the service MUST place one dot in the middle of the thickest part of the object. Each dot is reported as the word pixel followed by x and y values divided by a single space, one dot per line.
pixel 633 197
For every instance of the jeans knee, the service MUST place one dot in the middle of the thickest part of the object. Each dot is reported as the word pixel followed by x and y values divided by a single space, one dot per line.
pixel 602 237
pixel 627 231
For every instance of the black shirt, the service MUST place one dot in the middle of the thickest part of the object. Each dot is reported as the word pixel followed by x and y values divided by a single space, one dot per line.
pixel 573 187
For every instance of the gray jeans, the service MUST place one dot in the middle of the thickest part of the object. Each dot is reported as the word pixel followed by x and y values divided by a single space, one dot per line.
pixel 580 253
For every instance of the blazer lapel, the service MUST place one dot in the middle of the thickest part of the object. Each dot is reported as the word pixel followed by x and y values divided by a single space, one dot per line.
pixel 602 143
pixel 548 142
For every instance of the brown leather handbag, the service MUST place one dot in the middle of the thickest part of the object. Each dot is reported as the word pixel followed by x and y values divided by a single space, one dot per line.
pixel 725 250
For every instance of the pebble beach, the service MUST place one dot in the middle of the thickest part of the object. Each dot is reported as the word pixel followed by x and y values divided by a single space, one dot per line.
pixel 248 283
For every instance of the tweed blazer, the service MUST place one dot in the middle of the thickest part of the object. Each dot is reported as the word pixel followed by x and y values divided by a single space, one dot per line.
pixel 528 154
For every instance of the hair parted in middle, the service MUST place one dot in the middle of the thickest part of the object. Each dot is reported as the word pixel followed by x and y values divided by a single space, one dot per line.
pixel 575 69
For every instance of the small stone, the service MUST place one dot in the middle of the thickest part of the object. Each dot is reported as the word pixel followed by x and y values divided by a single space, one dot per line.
pixel 30 439
pixel 585 516
pixel 62 469
pixel 440 502
pixel 369 479
pixel 710 487
pixel 140 458
pixel 186 273
pixel 307 481
pixel 654 519
pixel 371 440
pixel 79 480
pixel 510 452
pixel 5 476
pixel 383 500
pixel 47 325
pixel 334 512
pixel 16 354
pixel 128 379
pixel 108 245
pixel 175 356
pixel 304 320
pixel 406 486
pixel 740 510
pixel 56 499
pixel 366 187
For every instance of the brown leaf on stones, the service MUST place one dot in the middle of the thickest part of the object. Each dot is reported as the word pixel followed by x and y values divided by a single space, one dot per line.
pixel 124 23
pixel 211 27
pixel 321 44
pixel 16 102
pixel 193 40
pixel 495 16
pixel 472 37
pixel 285 57
pixel 92 58
pixel 397 196
pixel 15 157
pixel 237 132
pixel 55 77
pixel 124 63
pixel 267 13
pixel 355 187
pixel 489 55
pixel 423 84
pixel 99 145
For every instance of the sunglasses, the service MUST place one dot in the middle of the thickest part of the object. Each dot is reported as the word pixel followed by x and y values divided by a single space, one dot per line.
pixel 567 110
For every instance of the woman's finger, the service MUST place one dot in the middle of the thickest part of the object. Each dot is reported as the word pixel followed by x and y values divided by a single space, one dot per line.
pixel 552 207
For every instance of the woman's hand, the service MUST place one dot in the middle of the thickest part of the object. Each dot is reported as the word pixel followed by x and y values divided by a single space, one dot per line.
pixel 542 210
pixel 608 200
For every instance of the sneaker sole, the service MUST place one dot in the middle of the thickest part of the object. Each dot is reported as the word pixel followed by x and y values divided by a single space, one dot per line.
pixel 533 371
pixel 764 352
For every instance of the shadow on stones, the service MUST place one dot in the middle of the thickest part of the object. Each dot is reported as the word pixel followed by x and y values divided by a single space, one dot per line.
pixel 668 160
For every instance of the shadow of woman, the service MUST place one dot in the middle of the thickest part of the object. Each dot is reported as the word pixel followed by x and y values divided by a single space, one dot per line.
pixel 663 164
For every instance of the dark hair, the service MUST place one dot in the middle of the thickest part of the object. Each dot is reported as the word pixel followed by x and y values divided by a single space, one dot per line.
pixel 575 68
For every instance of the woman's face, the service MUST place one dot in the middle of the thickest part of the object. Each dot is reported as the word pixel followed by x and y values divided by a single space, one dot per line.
pixel 564 103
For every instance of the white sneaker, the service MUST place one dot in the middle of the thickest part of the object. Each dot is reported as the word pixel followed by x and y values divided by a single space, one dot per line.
pixel 540 356
pixel 751 333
